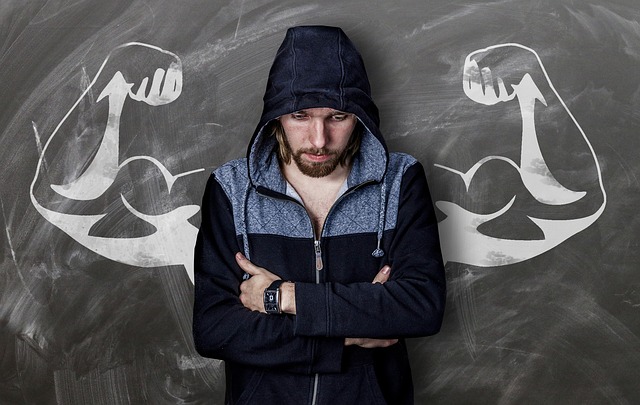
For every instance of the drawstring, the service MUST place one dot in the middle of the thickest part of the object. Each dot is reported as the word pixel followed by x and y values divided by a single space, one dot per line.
pixel 243 228
pixel 378 252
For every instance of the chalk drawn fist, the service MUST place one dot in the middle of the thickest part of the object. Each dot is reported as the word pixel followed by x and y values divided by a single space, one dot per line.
pixel 152 75
pixel 478 85
pixel 166 86
pixel 500 73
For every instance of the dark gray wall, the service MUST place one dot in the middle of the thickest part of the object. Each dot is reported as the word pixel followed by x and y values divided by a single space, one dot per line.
pixel 558 327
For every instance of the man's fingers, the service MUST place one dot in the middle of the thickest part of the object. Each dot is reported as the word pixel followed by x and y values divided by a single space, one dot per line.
pixel 246 265
pixel 369 343
pixel 385 343
pixel 383 275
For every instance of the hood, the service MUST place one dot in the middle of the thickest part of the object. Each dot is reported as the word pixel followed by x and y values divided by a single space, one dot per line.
pixel 317 66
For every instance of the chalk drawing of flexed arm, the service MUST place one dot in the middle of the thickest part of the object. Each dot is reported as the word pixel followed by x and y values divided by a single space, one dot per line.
pixel 172 241
pixel 462 241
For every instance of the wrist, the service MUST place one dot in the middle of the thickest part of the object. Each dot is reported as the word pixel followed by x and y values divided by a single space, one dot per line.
pixel 288 297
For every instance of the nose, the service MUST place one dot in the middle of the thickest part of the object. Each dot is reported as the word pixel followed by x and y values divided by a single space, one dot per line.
pixel 319 135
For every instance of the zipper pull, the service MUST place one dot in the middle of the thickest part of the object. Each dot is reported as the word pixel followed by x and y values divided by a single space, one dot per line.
pixel 319 265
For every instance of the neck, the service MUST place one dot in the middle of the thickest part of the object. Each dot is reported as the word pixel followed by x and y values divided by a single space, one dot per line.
pixel 300 180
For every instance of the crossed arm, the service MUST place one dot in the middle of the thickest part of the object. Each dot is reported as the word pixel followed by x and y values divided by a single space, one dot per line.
pixel 228 324
pixel 252 289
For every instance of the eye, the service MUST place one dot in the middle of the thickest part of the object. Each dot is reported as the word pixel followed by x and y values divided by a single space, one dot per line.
pixel 340 116
pixel 298 115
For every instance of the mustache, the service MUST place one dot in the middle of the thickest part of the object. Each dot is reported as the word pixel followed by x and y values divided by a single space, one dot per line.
pixel 317 151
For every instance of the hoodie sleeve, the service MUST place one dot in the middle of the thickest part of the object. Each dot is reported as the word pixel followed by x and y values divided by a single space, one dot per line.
pixel 409 304
pixel 222 327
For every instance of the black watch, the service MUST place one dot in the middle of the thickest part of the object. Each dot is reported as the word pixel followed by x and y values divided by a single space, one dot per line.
pixel 271 298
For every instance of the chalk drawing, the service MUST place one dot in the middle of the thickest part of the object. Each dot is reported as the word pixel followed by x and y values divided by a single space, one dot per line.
pixel 462 242
pixel 174 237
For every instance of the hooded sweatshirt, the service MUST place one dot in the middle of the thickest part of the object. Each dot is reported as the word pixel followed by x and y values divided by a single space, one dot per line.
pixel 384 215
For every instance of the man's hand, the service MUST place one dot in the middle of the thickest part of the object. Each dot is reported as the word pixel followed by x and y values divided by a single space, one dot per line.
pixel 369 343
pixel 383 275
pixel 252 290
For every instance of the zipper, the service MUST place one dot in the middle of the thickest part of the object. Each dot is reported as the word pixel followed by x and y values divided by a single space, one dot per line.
pixel 319 264
pixel 317 248
pixel 315 390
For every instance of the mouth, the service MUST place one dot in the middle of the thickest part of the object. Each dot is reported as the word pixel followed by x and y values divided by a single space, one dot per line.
pixel 317 158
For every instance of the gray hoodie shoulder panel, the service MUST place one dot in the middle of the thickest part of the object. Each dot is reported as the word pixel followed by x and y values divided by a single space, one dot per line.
pixel 360 211
pixel 259 214
pixel 234 180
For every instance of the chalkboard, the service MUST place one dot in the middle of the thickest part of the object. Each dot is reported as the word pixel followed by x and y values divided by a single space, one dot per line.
pixel 524 115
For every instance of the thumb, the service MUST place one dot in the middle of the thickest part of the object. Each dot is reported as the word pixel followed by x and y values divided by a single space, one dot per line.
pixel 246 265
pixel 383 275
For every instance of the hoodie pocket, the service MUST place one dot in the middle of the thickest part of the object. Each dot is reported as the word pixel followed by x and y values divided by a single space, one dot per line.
pixel 250 388
pixel 374 386
pixel 357 385
pixel 273 387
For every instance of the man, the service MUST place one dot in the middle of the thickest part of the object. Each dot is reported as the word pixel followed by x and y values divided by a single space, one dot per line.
pixel 319 252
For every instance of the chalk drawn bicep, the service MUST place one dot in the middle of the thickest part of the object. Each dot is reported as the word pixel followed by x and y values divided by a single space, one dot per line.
pixel 142 73
pixel 502 73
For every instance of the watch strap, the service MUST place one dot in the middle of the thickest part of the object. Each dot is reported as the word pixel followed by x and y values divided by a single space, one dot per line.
pixel 275 285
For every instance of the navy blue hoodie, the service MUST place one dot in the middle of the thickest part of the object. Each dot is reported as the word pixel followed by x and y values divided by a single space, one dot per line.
pixel 385 216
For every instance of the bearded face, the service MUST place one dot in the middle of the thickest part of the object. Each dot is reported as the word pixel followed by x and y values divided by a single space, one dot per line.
pixel 317 140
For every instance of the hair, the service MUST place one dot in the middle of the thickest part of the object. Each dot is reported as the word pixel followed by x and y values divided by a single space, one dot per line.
pixel 350 151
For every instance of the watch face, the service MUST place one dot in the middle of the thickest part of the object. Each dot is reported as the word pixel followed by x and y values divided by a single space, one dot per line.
pixel 271 301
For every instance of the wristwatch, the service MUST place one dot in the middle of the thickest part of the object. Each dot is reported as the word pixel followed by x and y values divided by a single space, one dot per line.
pixel 271 298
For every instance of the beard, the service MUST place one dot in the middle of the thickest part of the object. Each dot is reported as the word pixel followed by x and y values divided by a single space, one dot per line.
pixel 316 169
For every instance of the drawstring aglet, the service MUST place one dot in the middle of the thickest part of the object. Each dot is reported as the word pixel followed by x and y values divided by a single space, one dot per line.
pixel 378 252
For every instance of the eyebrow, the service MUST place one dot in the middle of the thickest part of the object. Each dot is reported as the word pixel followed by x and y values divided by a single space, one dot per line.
pixel 333 112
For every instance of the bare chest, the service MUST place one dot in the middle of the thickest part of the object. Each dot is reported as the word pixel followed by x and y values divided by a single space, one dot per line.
pixel 318 211
pixel 318 206
pixel 318 196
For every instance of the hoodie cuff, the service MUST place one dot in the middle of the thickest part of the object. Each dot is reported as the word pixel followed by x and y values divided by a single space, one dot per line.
pixel 312 314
